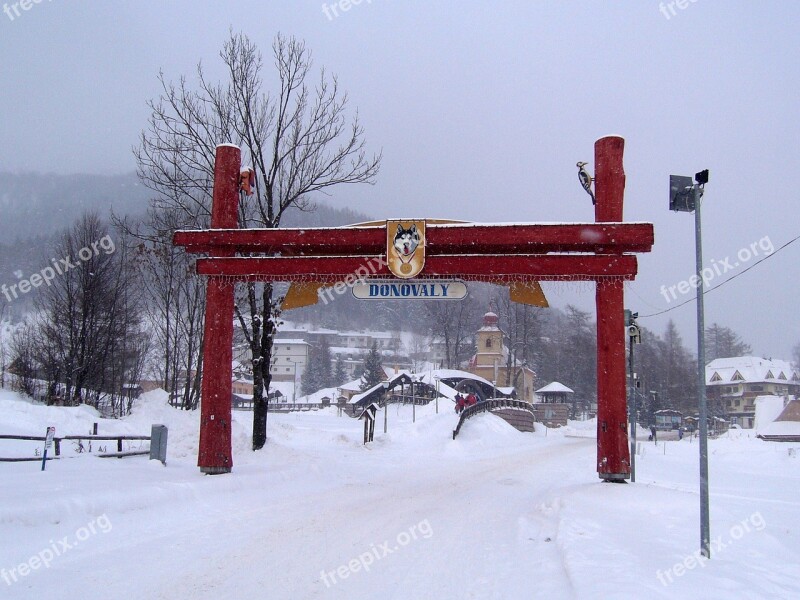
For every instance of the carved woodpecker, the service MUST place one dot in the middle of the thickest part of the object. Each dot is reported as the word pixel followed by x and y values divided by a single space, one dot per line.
pixel 585 179
pixel 247 181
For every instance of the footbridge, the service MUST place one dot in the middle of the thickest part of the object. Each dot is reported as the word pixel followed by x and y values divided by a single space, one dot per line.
pixel 516 413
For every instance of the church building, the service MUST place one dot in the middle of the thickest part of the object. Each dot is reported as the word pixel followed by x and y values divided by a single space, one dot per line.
pixel 491 360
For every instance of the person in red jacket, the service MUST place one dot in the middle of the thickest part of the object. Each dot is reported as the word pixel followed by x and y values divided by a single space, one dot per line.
pixel 471 400
pixel 459 403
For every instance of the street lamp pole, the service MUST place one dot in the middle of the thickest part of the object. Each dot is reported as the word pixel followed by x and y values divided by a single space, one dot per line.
pixel 705 535
pixel 385 406
pixel 633 410
pixel 685 196
pixel 294 383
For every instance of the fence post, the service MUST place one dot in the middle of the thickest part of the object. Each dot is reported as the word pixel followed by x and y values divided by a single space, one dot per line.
pixel 158 443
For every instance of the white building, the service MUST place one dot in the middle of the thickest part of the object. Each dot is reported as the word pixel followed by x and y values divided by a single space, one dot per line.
pixel 289 359
pixel 736 382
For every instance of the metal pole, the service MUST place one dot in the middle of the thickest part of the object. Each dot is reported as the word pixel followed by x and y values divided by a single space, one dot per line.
pixel 705 534
pixel 413 404
pixel 632 404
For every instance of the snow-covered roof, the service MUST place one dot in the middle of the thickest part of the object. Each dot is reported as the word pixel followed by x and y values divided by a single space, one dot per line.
pixel 787 424
pixel 366 392
pixel 791 412
pixel 316 397
pixel 768 408
pixel 284 387
pixel 781 428
pixel 555 387
pixel 351 386
pixel 280 341
pixel 370 334
pixel 432 376
pixel 750 369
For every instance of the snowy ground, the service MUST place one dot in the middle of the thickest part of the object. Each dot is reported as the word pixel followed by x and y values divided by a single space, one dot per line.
pixel 493 514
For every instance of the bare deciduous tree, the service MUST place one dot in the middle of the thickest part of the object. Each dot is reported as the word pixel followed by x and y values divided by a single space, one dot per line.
pixel 522 325
pixel 24 360
pixel 88 336
pixel 299 139
pixel 454 324
pixel 175 304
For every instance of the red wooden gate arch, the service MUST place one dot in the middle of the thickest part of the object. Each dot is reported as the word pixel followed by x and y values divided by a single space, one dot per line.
pixel 602 252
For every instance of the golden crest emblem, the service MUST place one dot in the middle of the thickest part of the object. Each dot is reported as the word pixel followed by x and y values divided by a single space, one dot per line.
pixel 405 247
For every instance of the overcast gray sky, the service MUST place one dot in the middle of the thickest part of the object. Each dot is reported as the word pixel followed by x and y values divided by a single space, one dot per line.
pixel 482 110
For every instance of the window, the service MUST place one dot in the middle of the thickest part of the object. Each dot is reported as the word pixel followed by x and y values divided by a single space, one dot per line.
pixel 288 369
pixel 488 342
pixel 737 377
pixel 716 377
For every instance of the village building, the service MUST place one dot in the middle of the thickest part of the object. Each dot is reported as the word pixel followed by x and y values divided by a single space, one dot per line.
pixel 735 383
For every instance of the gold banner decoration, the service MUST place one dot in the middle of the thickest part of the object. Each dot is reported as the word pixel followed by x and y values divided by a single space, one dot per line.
pixel 530 293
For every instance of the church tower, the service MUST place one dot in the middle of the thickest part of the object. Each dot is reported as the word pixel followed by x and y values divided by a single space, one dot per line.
pixel 489 344
pixel 491 360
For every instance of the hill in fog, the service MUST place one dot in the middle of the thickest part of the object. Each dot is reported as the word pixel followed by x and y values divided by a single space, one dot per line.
pixel 35 207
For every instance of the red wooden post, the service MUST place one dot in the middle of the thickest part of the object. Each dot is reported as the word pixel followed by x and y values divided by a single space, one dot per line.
pixel 215 454
pixel 613 456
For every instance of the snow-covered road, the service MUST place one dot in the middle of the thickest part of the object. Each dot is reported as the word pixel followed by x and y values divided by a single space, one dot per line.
pixel 493 514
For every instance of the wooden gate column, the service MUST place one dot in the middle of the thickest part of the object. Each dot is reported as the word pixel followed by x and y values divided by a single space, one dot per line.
pixel 613 455
pixel 215 455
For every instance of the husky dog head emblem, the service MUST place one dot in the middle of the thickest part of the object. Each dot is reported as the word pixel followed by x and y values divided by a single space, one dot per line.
pixel 405 247
pixel 406 240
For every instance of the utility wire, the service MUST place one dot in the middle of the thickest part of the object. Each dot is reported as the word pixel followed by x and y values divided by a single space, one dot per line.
pixel 755 264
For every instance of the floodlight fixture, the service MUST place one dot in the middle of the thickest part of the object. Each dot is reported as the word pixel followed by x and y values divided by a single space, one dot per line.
pixel 681 193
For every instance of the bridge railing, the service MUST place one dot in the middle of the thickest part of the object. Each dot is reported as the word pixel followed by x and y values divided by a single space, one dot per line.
pixel 488 406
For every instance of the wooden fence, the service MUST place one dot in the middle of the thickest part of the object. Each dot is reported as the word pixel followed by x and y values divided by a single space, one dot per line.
pixel 57 444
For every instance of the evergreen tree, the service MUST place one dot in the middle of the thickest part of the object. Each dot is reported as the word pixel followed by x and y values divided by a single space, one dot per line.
pixel 310 382
pixel 373 369
pixel 679 373
pixel 324 366
pixel 724 342
pixel 340 372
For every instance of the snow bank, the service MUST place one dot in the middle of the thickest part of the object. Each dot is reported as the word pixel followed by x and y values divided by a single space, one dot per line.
pixel 493 514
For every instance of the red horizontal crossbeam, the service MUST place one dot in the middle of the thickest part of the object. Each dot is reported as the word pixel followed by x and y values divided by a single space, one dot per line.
pixel 532 238
pixel 469 267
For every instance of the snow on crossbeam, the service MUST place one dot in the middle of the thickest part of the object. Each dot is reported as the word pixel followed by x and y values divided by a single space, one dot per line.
pixel 483 238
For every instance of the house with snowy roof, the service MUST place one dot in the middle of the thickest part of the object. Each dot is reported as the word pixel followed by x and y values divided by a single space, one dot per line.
pixel 736 382
pixel 786 427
